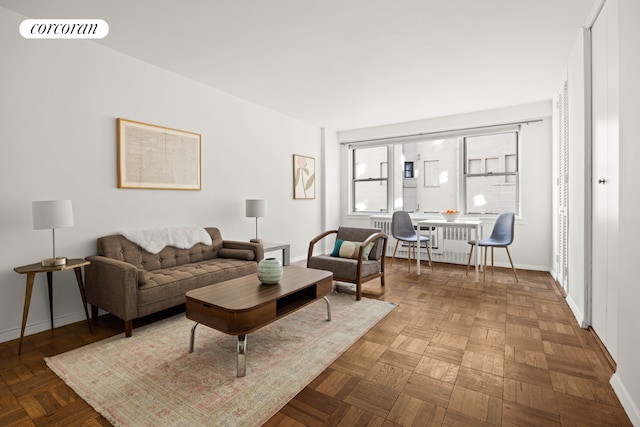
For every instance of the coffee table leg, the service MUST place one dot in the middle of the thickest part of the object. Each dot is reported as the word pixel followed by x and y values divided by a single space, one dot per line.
pixel 193 337
pixel 242 362
pixel 328 309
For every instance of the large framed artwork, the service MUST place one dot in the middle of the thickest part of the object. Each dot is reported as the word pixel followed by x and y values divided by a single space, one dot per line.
pixel 157 157
pixel 304 177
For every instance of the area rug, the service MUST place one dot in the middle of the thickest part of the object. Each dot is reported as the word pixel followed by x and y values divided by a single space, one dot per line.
pixel 151 379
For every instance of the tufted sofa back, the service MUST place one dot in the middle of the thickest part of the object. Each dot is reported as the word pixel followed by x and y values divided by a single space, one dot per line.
pixel 118 247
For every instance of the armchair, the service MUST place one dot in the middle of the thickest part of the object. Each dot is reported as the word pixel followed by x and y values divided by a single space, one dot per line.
pixel 359 269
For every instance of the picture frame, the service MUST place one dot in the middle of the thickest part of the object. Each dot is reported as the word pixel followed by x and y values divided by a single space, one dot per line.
pixel 158 157
pixel 304 177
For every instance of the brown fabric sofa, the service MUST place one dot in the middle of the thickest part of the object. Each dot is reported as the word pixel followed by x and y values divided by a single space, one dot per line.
pixel 129 282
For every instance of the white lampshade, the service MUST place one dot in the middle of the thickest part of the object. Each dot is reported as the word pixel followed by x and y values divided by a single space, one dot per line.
pixel 49 215
pixel 256 208
pixel 52 214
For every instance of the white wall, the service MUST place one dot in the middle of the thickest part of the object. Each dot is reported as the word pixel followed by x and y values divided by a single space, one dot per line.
pixel 58 105
pixel 626 380
pixel 578 250
pixel 532 247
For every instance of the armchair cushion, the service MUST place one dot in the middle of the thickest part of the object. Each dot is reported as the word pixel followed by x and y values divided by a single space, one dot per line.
pixel 348 249
pixel 344 269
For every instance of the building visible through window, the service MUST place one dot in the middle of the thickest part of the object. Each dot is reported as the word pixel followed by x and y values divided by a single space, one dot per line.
pixel 475 174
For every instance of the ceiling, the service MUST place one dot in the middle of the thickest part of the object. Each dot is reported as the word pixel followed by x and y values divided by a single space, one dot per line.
pixel 347 64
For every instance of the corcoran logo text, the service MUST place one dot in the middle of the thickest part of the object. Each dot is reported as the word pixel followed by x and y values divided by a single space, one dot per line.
pixel 64 29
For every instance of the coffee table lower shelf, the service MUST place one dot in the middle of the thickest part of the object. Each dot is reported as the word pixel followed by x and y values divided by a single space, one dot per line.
pixel 243 305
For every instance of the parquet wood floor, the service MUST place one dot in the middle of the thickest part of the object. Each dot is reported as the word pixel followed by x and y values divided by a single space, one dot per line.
pixel 453 353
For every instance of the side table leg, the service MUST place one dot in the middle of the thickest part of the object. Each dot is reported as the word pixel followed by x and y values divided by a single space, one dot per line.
pixel 328 309
pixel 285 255
pixel 25 310
pixel 50 286
pixel 242 361
pixel 82 295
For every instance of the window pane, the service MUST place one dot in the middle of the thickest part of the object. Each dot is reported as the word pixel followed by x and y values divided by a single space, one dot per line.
pixel 408 169
pixel 431 173
pixel 370 196
pixel 384 169
pixel 475 166
pixel 366 162
pixel 436 165
pixel 491 165
pixel 495 146
pixel 490 195
pixel 510 166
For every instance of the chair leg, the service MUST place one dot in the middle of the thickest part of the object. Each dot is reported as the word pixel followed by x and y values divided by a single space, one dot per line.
pixel 512 267
pixel 409 256
pixel 429 256
pixel 394 253
pixel 358 291
pixel 484 270
pixel 492 269
pixel 469 260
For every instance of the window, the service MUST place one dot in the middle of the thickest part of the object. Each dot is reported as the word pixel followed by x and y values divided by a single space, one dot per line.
pixel 408 169
pixel 494 189
pixel 477 174
pixel 431 173
pixel 369 179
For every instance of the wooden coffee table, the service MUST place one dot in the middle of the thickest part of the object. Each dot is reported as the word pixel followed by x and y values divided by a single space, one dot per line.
pixel 243 305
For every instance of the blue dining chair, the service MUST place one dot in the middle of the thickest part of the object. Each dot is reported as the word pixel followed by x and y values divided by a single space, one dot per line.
pixel 501 237
pixel 402 230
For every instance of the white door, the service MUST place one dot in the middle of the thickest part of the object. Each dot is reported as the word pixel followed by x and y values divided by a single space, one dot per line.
pixel 563 188
pixel 604 173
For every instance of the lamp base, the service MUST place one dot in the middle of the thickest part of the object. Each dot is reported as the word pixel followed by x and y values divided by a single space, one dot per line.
pixel 255 240
pixel 53 262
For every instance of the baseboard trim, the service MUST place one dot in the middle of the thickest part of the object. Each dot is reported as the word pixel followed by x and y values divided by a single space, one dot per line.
pixel 625 399
pixel 576 312
pixel 45 325
pixel 603 348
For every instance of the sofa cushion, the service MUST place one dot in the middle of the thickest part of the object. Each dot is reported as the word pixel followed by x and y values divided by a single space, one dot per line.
pixel 245 254
pixel 172 283
pixel 143 277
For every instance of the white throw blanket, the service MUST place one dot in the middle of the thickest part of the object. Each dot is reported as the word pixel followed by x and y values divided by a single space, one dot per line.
pixel 155 239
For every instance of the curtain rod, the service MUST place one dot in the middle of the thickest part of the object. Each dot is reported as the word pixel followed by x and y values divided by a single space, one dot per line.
pixel 414 135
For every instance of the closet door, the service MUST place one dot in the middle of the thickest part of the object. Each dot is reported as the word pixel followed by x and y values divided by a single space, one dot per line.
pixel 563 188
pixel 604 185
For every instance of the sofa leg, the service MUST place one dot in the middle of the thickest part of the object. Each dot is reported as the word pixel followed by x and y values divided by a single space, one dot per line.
pixel 128 328
pixel 94 314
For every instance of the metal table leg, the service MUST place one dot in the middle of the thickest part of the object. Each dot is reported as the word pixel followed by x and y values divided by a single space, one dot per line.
pixel 242 361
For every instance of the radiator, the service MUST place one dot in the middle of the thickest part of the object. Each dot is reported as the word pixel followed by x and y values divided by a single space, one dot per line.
pixel 449 244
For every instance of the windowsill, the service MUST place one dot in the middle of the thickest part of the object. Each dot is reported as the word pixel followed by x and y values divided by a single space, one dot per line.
pixel 418 216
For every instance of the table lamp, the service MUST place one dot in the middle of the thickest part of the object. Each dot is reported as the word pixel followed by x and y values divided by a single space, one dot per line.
pixel 52 214
pixel 256 208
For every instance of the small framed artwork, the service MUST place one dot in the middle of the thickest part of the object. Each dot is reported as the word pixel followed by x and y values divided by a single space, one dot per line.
pixel 157 157
pixel 304 177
